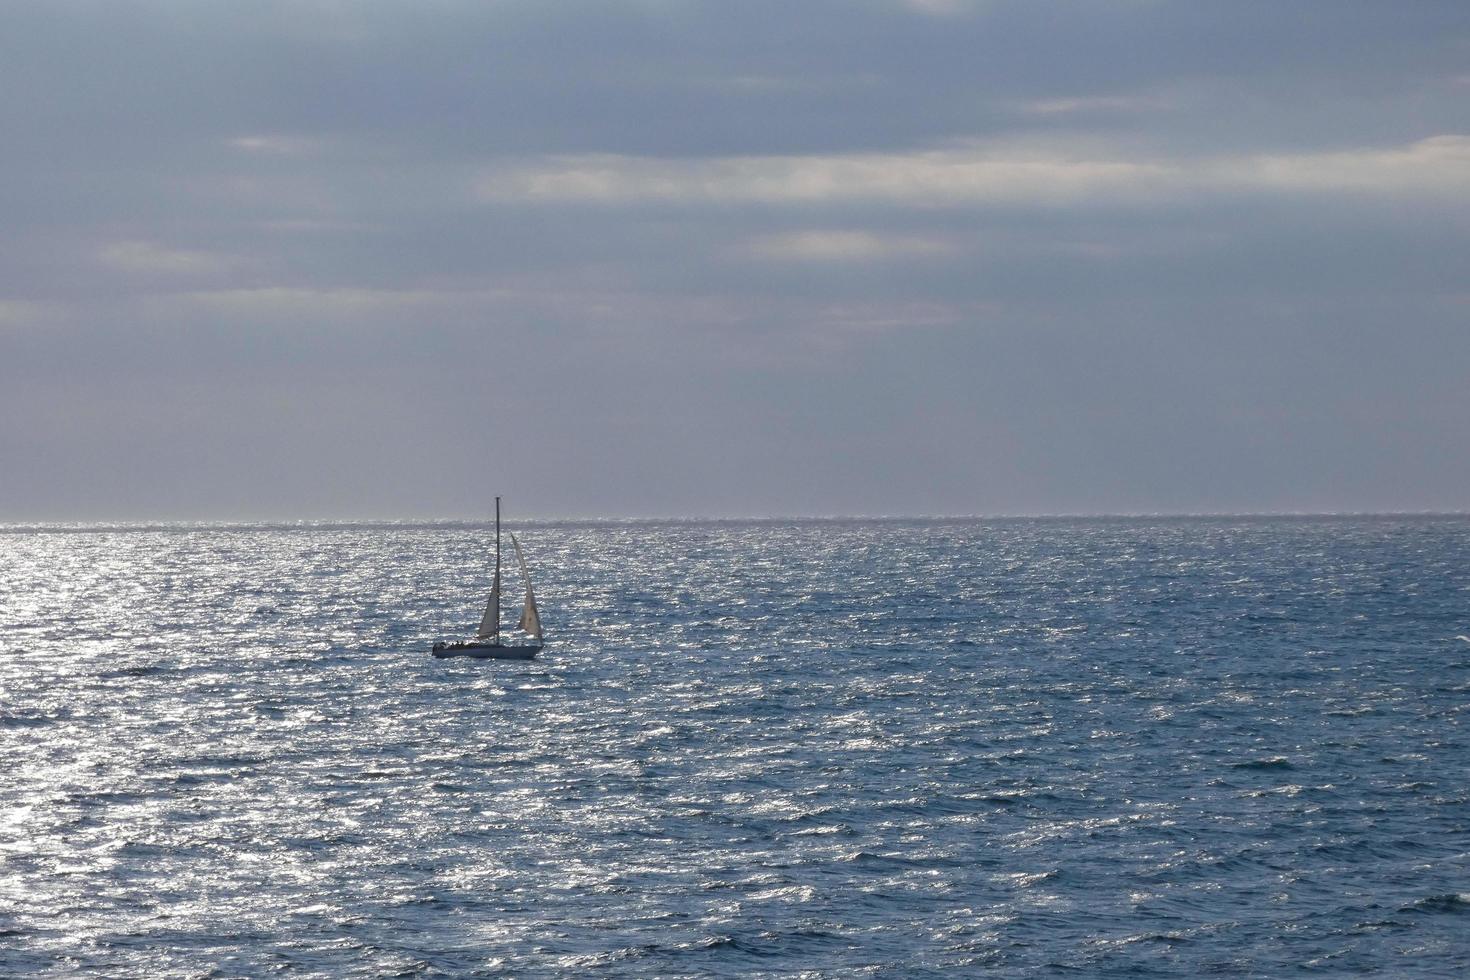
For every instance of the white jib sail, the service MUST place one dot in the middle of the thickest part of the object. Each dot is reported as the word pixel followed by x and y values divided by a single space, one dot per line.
pixel 530 618
pixel 489 623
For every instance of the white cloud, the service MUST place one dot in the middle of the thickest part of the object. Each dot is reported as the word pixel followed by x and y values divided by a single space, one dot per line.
pixel 844 246
pixel 1440 164
pixel 981 174
pixel 926 178
pixel 275 145
pixel 1097 103
pixel 146 257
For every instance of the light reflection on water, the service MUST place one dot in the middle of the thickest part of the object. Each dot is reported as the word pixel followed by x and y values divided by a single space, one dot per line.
pixel 837 747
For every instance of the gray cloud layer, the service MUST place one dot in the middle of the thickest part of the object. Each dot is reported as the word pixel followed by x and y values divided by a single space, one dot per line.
pixel 320 259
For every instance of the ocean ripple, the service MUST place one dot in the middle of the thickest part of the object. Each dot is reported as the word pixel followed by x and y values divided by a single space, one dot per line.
pixel 819 748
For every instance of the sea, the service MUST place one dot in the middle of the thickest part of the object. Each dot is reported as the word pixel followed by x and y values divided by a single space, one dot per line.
pixel 1110 747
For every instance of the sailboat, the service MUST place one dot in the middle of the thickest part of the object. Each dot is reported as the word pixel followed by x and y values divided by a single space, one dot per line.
pixel 487 644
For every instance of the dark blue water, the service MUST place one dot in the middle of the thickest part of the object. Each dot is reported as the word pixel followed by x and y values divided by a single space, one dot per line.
pixel 1017 748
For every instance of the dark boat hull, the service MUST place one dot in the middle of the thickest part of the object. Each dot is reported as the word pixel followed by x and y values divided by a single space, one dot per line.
pixel 485 651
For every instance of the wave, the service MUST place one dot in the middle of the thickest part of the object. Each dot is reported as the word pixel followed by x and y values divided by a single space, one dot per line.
pixel 1455 903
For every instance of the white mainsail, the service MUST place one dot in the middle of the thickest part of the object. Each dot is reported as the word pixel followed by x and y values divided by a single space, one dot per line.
pixel 490 622
pixel 530 618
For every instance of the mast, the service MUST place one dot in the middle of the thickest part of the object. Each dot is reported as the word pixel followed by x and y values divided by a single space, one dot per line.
pixel 497 569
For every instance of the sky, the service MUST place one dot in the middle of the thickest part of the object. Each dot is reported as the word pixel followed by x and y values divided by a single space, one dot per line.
pixel 314 259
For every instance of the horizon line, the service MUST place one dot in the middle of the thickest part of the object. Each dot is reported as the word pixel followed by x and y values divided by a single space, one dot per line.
pixel 22 526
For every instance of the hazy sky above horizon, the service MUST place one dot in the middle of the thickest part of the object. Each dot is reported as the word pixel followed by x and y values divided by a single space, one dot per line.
pixel 314 258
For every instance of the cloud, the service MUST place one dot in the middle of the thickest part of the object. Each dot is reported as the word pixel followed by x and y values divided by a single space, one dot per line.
pixel 147 257
pixel 1005 174
pixel 1094 104
pixel 925 178
pixel 718 244
pixel 1434 166
pixel 844 246
pixel 275 145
